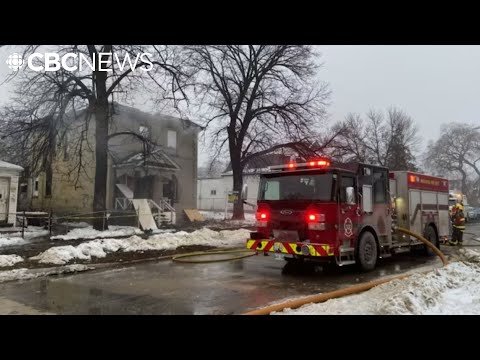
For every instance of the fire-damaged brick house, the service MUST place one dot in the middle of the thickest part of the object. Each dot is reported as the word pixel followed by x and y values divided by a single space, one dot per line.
pixel 159 165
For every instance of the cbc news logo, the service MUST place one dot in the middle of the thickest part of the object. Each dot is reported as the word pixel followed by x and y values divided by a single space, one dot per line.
pixel 15 61
pixel 103 61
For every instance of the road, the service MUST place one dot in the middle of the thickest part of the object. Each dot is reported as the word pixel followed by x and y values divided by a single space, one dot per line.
pixel 166 287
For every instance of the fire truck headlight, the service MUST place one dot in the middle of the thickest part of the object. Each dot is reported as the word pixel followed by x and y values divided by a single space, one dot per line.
pixel 305 250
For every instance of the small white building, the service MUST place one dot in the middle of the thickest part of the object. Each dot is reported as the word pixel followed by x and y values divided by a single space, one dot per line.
pixel 9 174
pixel 212 192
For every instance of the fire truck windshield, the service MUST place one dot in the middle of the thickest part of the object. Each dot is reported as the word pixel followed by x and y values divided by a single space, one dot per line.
pixel 297 187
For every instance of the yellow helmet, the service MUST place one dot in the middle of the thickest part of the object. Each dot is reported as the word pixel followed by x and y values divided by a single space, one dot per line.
pixel 460 207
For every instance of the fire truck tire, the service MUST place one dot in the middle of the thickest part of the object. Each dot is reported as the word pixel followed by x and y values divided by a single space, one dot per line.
pixel 367 252
pixel 430 235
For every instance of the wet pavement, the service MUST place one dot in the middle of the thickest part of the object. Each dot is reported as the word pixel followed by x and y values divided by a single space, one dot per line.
pixel 172 288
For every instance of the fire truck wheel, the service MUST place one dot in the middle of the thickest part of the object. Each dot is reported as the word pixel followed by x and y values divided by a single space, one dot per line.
pixel 430 235
pixel 367 252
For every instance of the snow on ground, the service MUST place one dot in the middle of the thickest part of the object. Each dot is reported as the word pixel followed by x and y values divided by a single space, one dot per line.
pixel 8 241
pixel 25 274
pixel 99 248
pixel 80 224
pixel 220 215
pixel 9 260
pixel 90 233
pixel 454 289
pixel 29 232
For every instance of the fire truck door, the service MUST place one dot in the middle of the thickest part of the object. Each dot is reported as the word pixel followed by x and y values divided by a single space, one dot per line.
pixel 348 211
pixel 415 210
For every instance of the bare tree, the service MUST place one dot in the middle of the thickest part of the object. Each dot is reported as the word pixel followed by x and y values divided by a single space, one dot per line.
pixel 47 97
pixel 259 99
pixel 457 151
pixel 387 141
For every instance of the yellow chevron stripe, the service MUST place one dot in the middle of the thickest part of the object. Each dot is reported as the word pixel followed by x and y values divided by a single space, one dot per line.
pixel 293 246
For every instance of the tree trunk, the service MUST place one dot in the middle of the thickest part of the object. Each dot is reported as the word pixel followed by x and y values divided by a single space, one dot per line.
pixel 237 170
pixel 101 152
pixel 238 213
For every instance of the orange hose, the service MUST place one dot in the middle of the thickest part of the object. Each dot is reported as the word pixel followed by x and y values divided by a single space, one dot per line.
pixel 293 304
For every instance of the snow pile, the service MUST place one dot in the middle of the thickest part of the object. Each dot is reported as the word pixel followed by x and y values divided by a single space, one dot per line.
pixel 454 289
pixel 25 274
pixel 90 233
pixel 5 241
pixel 9 260
pixel 30 234
pixel 167 241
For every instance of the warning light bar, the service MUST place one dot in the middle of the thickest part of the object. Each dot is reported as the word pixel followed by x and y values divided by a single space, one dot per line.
pixel 311 164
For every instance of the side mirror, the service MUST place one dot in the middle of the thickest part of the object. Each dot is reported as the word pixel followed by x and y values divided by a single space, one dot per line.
pixel 244 192
pixel 350 195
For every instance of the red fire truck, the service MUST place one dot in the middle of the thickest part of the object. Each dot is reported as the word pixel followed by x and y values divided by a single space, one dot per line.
pixel 345 212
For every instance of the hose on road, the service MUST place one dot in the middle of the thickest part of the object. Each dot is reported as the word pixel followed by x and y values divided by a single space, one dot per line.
pixel 185 258
pixel 293 304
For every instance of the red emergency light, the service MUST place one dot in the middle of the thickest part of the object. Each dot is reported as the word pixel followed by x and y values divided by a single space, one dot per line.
pixel 312 164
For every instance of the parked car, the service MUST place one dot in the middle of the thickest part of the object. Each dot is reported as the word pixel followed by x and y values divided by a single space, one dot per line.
pixel 471 213
pixel 475 214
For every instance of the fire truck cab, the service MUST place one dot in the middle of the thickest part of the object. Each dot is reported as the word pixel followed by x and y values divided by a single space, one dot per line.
pixel 333 212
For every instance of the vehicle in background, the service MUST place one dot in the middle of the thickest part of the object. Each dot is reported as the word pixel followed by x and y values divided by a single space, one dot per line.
pixel 471 213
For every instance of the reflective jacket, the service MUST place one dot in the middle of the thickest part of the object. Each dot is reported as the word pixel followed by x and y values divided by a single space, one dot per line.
pixel 459 220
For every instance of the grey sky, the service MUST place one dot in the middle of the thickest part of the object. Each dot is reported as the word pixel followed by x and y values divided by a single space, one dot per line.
pixel 433 84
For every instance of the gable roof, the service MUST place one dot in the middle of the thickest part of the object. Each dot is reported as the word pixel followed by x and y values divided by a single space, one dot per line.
pixel 8 166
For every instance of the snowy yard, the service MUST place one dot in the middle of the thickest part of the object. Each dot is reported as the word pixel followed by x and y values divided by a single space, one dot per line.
pixel 220 216
pixel 15 238
pixel 454 289
pixel 99 248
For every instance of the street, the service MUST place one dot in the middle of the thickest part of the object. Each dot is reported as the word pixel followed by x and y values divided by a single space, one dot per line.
pixel 166 287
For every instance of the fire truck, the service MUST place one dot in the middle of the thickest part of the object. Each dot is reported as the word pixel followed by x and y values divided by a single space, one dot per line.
pixel 346 213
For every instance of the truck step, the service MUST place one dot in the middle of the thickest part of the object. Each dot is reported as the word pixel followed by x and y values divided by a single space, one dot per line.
pixel 400 250
pixel 346 262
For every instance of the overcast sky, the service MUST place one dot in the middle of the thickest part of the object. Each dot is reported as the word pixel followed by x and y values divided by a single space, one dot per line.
pixel 433 84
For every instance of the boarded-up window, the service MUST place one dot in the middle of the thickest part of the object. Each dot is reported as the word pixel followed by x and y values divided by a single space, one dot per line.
pixel 172 139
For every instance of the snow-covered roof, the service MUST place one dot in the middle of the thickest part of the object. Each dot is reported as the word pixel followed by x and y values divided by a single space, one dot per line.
pixel 7 166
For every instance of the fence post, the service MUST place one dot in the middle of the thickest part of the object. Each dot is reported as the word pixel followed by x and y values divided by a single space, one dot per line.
pixel 103 226
pixel 138 217
pixel 23 225
pixel 50 222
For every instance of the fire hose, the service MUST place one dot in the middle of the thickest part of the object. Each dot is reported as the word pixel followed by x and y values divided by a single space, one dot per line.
pixel 293 304
pixel 182 258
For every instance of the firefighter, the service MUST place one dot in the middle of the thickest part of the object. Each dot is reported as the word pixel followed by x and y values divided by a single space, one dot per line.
pixel 458 226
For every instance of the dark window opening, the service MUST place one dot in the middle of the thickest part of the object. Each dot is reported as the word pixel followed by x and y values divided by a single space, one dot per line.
pixel 213 192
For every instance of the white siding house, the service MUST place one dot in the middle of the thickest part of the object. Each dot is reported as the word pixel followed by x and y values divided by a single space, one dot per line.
pixel 9 174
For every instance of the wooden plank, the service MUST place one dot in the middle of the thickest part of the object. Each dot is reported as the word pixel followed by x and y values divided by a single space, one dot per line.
pixel 146 218
pixel 193 215
pixel 125 190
